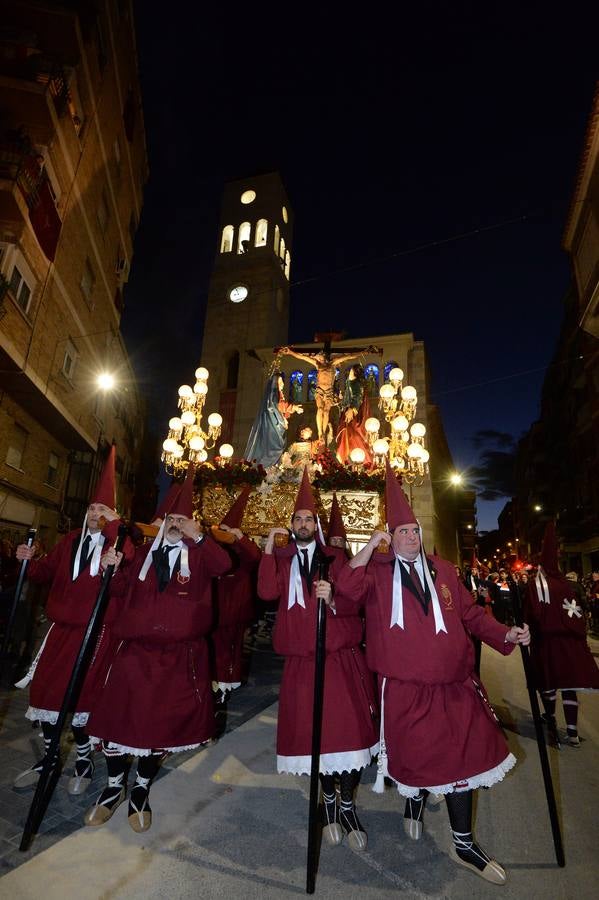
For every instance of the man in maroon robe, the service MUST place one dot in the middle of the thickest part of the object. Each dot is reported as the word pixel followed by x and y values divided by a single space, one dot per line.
pixel 349 735
pixel 235 595
pixel 73 571
pixel 157 697
pixel 438 731
pixel 560 654
pixel 336 533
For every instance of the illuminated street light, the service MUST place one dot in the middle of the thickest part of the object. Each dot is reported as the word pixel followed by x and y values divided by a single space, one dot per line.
pixel 537 507
pixel 455 478
pixel 105 381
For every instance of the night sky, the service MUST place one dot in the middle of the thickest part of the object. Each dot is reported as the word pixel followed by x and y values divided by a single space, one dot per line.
pixel 429 158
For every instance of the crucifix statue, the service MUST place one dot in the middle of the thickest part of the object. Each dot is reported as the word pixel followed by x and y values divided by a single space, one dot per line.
pixel 325 361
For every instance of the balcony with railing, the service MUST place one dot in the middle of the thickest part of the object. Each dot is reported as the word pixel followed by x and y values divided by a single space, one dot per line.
pixel 25 191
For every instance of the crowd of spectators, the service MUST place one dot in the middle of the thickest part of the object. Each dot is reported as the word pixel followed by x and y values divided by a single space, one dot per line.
pixel 502 591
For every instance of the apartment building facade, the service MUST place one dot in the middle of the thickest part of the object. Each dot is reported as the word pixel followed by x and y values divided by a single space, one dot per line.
pixel 73 166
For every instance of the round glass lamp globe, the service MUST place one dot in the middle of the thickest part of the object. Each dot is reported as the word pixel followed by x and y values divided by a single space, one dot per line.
pixel 196 442
pixel 185 391
pixel 414 451
pixel 357 455
pixel 409 393
pixel 424 456
pixel 387 392
pixel 396 374
pixel 202 374
pixel 188 418
pixel 202 456
pixel 371 425
pixel 175 423
pixel 215 420
pixel 381 447
pixel 201 388
pixel 226 451
pixel 170 445
pixel 399 423
pixel 418 430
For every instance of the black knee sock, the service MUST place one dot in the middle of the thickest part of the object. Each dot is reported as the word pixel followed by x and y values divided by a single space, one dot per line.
pixel 327 782
pixel 81 739
pixel 48 730
pixel 348 782
pixel 147 766
pixel 83 764
pixel 347 810
pixel 459 807
pixel 117 766
pixel 147 769
pixel 549 698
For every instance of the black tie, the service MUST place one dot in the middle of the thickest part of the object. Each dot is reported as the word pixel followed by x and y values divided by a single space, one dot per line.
pixel 163 568
pixel 416 582
pixel 306 566
pixel 85 555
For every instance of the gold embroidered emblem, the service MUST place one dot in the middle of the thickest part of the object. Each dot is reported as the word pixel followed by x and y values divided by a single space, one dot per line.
pixel 182 579
pixel 447 598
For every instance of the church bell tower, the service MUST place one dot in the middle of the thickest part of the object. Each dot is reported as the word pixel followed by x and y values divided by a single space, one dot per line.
pixel 248 298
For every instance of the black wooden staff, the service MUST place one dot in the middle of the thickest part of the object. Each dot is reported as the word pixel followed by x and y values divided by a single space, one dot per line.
pixel 15 603
pixel 536 715
pixel 313 829
pixel 51 769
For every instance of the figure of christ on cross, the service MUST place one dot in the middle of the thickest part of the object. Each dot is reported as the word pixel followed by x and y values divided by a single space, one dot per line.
pixel 325 361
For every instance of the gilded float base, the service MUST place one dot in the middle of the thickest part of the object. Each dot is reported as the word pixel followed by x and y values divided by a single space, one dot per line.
pixel 362 511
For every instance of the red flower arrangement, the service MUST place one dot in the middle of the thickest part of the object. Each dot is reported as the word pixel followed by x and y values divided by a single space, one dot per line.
pixel 335 476
pixel 230 474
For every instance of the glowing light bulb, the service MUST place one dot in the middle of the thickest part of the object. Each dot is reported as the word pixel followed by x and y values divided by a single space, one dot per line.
pixel 381 447
pixel 357 455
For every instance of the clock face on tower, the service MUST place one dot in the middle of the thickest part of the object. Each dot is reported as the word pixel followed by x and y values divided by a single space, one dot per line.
pixel 238 293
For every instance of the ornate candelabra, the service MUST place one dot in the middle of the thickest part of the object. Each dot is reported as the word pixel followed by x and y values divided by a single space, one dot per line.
pixel 405 443
pixel 187 441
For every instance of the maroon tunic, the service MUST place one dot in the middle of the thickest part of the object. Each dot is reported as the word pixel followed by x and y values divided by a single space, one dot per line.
pixel 559 651
pixel 439 729
pixel 349 724
pixel 69 606
pixel 157 693
pixel 235 610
